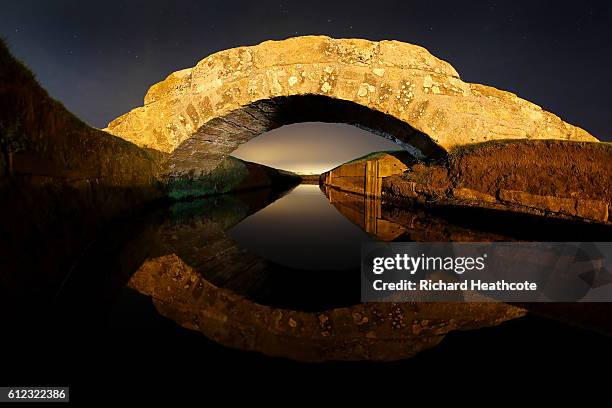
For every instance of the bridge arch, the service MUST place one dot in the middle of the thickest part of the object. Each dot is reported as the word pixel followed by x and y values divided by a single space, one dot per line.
pixel 200 115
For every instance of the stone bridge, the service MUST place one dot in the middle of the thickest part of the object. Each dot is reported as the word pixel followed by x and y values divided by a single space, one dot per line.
pixel 400 91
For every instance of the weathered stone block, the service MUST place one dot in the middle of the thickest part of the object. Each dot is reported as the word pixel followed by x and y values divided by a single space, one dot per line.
pixel 589 209
pixel 544 203
pixel 592 209
pixel 472 195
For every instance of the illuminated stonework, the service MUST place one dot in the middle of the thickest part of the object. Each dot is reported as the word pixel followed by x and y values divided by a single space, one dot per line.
pixel 200 115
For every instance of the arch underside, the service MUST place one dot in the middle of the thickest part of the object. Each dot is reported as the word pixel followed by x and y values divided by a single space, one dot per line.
pixel 215 140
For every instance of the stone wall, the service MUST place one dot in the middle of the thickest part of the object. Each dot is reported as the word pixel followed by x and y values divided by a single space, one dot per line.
pixel 364 175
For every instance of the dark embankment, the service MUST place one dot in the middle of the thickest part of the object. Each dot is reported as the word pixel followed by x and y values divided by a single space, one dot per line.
pixel 63 182
pixel 551 178
pixel 232 175
pixel 60 181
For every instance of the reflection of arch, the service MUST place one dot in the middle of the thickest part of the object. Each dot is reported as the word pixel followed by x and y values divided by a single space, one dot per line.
pixel 369 331
pixel 198 277
pixel 202 114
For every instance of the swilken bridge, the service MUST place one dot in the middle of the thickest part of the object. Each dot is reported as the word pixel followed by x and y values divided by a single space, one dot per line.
pixel 400 91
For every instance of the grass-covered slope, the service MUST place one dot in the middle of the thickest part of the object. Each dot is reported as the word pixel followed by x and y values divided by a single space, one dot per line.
pixel 543 177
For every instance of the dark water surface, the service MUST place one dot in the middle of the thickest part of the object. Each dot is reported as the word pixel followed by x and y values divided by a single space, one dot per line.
pixel 302 230
pixel 300 249
pixel 275 249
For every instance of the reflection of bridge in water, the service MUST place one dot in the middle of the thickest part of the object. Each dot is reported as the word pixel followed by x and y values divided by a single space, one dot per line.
pixel 366 212
pixel 198 277
pixel 389 223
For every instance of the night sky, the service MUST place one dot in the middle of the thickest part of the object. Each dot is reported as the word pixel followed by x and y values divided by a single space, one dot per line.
pixel 100 57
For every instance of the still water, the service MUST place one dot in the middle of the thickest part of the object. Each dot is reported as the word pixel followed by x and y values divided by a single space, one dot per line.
pixel 276 274
pixel 302 230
